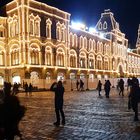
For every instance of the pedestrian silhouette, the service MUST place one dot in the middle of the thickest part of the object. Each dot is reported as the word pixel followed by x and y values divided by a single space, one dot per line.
pixel 121 86
pixel 107 88
pixel 59 93
pixel 134 97
pixel 99 87
pixel 81 85
pixel 77 84
pixel 129 83
pixel 11 114
pixel 15 88
pixel 30 88
pixel 26 88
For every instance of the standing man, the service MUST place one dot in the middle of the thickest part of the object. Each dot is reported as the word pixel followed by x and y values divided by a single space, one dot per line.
pixel 121 85
pixel 77 84
pixel 99 87
pixel 30 89
pixel 59 93
pixel 26 88
pixel 134 97
pixel 107 88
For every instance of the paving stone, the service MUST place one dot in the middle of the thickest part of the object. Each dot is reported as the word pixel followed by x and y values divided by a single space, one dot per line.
pixel 88 117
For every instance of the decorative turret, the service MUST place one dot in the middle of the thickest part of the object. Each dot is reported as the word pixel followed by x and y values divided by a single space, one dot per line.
pixel 107 22
pixel 138 39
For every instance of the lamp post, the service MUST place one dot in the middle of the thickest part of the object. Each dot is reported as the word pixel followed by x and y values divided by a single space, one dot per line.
pixel 87 81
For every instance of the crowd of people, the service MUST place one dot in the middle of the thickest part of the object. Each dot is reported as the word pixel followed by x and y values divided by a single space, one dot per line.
pixel 12 111
pixel 133 92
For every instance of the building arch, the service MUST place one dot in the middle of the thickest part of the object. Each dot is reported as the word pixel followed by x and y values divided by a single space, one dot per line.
pixel 34 52
pixel 99 62
pixel 60 57
pixel 91 61
pixel 48 55
pixel 73 58
pixel 83 59
pixel 15 54
pixel 106 63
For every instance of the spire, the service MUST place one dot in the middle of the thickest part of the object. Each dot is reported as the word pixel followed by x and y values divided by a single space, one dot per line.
pixel 138 39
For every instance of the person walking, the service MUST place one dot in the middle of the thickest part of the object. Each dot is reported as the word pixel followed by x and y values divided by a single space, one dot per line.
pixel 134 97
pixel 26 88
pixel 121 85
pixel 81 85
pixel 107 86
pixel 99 87
pixel 59 93
pixel 77 84
pixel 30 88
pixel 128 83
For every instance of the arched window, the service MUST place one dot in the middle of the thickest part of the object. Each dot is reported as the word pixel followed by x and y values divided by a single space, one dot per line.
pixel 48 28
pixel 60 57
pixel 1 58
pixel 15 56
pixel 60 60
pixel 73 59
pixel 100 26
pixel 82 60
pixel 81 42
pixel 91 61
pixel 34 55
pixel 99 62
pixel 48 57
pixel 106 64
pixel 90 45
pixel 105 25
pixel 31 27
pixel 94 45
pixel 63 33
pixel 58 36
pixel 98 46
pixel 58 32
pixel 13 26
pixel 85 42
pixel 101 47
pixel 37 28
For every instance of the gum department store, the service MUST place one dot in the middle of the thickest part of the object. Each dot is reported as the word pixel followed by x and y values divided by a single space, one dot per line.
pixel 40 44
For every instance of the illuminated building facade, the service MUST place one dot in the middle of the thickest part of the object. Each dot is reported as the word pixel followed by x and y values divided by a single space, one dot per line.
pixel 39 44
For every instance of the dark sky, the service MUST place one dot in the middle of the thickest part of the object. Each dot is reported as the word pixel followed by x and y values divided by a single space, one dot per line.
pixel 126 12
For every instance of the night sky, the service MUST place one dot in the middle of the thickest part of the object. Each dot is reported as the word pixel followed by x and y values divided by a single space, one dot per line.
pixel 126 13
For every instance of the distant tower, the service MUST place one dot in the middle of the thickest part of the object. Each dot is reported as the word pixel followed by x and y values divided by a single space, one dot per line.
pixel 138 39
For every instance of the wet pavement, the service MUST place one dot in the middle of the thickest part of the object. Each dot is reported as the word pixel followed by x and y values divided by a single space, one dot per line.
pixel 88 117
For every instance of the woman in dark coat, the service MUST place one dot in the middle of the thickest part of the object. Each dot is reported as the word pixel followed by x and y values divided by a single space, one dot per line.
pixel 107 88
pixel 12 112
pixel 134 97
pixel 59 92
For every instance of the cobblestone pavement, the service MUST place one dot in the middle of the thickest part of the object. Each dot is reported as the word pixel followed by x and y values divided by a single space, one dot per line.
pixel 88 117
